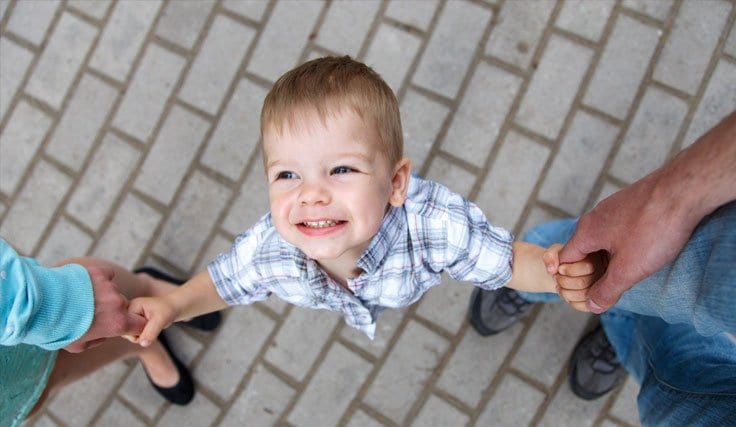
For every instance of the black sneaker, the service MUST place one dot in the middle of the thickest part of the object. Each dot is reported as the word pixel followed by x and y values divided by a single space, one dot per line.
pixel 493 311
pixel 594 368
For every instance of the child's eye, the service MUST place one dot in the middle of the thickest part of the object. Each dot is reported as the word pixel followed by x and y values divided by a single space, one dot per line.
pixel 286 175
pixel 342 169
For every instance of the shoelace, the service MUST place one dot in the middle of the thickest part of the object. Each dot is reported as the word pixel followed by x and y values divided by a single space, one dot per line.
pixel 603 354
pixel 512 303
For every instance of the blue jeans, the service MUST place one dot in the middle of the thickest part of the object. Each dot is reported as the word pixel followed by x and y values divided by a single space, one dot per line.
pixel 668 330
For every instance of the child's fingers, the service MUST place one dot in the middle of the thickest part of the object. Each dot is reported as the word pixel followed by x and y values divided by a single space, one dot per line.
pixel 579 306
pixel 151 331
pixel 551 258
pixel 582 282
pixel 582 268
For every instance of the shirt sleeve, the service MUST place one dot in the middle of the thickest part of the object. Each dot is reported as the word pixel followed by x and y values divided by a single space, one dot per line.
pixel 46 307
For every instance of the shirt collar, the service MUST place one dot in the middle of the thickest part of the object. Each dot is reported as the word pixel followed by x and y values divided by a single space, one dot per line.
pixel 383 241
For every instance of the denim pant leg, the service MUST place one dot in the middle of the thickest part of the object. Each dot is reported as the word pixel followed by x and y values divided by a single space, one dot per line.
pixel 686 378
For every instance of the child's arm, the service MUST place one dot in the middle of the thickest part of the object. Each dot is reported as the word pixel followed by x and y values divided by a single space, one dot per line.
pixel 195 297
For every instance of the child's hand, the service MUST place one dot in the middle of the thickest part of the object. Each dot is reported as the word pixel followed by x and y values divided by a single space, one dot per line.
pixel 160 315
pixel 575 279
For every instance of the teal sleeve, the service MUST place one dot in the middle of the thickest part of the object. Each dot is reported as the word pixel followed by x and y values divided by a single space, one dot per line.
pixel 46 307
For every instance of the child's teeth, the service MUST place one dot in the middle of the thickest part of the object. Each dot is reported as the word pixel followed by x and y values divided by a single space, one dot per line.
pixel 320 224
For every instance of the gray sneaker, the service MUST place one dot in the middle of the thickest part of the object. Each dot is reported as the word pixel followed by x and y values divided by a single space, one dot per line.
pixel 493 311
pixel 594 368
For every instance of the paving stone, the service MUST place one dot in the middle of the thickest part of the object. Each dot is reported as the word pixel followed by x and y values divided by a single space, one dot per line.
pixel 218 245
pixel 609 423
pixel 552 89
pixel 300 339
pixel 659 9
pixel 252 202
pixel 481 114
pixel 82 120
pixel 391 53
pixel 232 352
pixel 513 403
pixel 3 7
pixel 225 45
pixel 565 410
pixel 238 131
pixel 346 25
pixel 194 215
pixel 96 9
pixel 730 46
pixel 14 62
pixel 415 13
pixel 406 371
pixel 446 305
pixel 151 86
pixel 621 69
pixel 42 420
pixel 331 389
pixel 691 44
pixel 518 31
pixel 421 120
pixel 536 216
pixel 475 363
pixel 284 38
pixel 117 415
pixel 31 19
pixel 261 403
pixel 129 232
pixel 518 166
pixel 447 57
pixel 386 328
pixel 649 139
pixel 65 241
pixel 585 18
pixel 438 413
pixel 123 37
pixel 361 419
pixel 578 163
pixel 19 142
pixel 31 212
pixel 717 102
pixel 625 407
pixel 181 22
pixel 252 9
pixel 166 164
pixel 61 59
pixel 103 180
pixel 556 330
pixel 452 176
pixel 199 412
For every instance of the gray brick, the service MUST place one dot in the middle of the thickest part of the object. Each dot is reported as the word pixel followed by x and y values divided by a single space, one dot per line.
pixel 31 19
pixel 649 139
pixel 225 45
pixel 519 29
pixel 717 102
pixel 386 327
pixel 19 142
pixel 406 371
pixel 421 120
pixel 252 202
pixel 346 24
pixel 564 410
pixel 585 18
pixel 129 232
pixel 238 132
pixel 447 304
pixel 66 240
pixel 81 122
pixel 361 419
pixel 415 13
pixel 625 407
pixel 14 62
pixel 199 412
pixel 123 37
pixel 103 180
pixel 659 9
pixel 449 174
pixel 622 66
pixel 553 86
pixel 556 330
pixel 578 163
pixel 451 47
pixel 232 352
pixel 42 419
pixel 391 53
pixel 61 59
pixel 261 402
pixel 691 43
pixel 438 413
pixel 513 403
pixel 35 206
pixel 300 339
pixel 151 86
pixel 475 362
pixel 182 21
pixel 331 389
pixel 191 220
pixel 536 216
pixel 181 136
pixel 96 9
pixel 218 245
pixel 481 114
pixel 730 46
pixel 3 7
pixel 284 38
pixel 512 178
pixel 118 415
pixel 252 9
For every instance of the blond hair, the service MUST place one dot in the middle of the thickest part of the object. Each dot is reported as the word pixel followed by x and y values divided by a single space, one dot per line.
pixel 328 84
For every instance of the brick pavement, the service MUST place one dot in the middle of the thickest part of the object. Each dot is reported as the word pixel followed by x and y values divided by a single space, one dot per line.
pixel 129 130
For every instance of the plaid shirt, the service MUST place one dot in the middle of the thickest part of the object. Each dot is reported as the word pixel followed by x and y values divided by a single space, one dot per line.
pixel 435 230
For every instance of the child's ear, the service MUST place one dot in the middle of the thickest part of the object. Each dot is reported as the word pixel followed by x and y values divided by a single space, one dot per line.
pixel 400 182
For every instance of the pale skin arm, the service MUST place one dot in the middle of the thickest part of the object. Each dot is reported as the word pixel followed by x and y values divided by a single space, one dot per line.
pixel 195 297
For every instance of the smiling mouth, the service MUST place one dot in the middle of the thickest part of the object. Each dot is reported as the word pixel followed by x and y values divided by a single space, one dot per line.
pixel 320 224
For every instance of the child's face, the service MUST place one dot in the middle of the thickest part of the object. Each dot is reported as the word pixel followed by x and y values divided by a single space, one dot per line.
pixel 329 185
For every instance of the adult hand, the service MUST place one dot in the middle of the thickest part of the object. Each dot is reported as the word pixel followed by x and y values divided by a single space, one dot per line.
pixel 111 317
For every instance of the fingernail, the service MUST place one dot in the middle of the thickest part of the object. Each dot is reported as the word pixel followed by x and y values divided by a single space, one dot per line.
pixel 595 308
pixel 550 269
pixel 144 343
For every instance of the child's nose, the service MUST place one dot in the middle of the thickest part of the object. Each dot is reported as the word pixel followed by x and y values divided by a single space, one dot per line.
pixel 313 192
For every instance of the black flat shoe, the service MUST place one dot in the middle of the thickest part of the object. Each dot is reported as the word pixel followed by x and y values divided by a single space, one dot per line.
pixel 181 393
pixel 205 322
